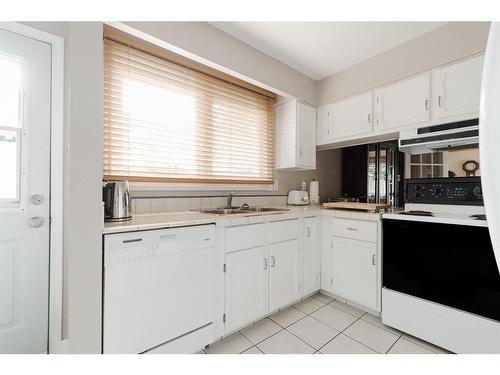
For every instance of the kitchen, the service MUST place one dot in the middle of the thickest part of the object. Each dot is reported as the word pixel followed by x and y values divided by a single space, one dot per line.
pixel 203 205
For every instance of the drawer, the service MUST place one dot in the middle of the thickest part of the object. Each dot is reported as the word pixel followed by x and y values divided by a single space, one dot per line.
pixel 356 229
pixel 284 230
pixel 245 237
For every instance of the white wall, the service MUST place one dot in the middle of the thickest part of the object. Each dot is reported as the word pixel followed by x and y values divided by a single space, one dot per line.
pixel 443 45
pixel 212 44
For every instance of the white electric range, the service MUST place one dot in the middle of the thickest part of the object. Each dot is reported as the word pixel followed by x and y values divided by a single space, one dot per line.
pixel 440 278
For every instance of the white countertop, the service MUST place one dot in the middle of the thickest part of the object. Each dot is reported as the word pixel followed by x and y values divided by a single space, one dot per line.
pixel 176 219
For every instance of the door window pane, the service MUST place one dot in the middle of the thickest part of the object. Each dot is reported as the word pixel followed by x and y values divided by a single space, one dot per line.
pixel 10 91
pixel 9 166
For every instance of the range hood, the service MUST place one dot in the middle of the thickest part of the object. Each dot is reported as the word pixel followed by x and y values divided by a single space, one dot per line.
pixel 450 136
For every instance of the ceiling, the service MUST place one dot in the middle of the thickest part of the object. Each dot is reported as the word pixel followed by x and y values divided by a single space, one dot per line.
pixel 319 49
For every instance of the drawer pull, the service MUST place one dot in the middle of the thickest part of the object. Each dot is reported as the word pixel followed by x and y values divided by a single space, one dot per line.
pixel 273 261
pixel 134 240
pixel 351 228
pixel 265 263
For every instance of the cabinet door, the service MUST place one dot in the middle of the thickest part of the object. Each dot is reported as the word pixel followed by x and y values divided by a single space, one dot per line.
pixel 456 90
pixel 311 258
pixel 306 139
pixel 323 123
pixel 352 116
pixel 354 271
pixel 284 283
pixel 246 286
pixel 402 104
pixel 286 135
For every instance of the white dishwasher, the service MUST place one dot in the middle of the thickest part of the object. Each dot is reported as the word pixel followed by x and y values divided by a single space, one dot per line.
pixel 159 290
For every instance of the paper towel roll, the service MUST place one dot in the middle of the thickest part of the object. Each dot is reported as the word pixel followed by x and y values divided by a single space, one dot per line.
pixel 314 192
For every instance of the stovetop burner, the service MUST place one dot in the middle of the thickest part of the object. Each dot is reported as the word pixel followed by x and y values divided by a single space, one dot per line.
pixel 417 213
pixel 478 216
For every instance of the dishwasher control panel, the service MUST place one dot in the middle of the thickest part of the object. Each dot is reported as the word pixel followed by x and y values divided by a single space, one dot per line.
pixel 455 191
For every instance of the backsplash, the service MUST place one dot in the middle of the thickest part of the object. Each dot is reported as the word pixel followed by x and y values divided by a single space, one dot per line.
pixel 147 205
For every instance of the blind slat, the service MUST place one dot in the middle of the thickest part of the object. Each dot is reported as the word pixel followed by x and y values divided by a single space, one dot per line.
pixel 165 122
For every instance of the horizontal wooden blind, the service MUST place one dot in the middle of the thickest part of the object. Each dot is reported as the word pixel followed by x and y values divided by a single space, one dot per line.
pixel 166 122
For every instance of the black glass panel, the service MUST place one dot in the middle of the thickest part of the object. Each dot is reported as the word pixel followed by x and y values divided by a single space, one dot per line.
pixel 444 263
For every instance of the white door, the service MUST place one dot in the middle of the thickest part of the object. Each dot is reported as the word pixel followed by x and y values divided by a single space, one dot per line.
pixel 353 116
pixel 306 124
pixel 456 90
pixel 246 286
pixel 403 104
pixel 311 256
pixel 284 277
pixel 323 125
pixel 25 74
pixel 354 271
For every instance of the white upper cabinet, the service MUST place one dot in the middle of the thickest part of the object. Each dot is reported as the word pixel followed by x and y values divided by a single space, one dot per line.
pixel 323 124
pixel 295 136
pixel 456 90
pixel 352 117
pixel 402 104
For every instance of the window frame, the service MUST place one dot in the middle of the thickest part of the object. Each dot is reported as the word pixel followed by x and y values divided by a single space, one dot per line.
pixel 193 183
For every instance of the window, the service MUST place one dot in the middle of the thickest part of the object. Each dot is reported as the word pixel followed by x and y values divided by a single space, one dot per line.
pixel 10 126
pixel 428 165
pixel 165 122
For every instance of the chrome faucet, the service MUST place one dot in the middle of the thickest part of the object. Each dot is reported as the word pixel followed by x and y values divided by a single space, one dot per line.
pixel 230 200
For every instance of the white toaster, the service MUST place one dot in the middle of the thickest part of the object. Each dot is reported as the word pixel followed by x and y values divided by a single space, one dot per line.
pixel 298 197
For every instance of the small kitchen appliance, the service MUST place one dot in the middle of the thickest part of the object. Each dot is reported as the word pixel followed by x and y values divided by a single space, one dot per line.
pixel 116 198
pixel 298 198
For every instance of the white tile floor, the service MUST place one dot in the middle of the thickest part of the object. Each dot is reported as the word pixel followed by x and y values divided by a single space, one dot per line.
pixel 321 325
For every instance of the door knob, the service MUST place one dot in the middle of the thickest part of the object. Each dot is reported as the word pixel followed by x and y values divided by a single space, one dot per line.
pixel 37 199
pixel 36 221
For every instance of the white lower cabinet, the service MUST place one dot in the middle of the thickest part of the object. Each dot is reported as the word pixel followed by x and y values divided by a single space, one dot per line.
pixel 311 256
pixel 350 266
pixel 284 277
pixel 246 296
pixel 354 270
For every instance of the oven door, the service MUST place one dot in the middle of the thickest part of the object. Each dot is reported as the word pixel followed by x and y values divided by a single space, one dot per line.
pixel 453 265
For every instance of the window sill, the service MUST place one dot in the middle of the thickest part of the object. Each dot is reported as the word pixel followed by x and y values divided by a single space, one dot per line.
pixel 151 186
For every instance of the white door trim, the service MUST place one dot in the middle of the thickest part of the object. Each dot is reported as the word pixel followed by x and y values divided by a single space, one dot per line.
pixel 56 342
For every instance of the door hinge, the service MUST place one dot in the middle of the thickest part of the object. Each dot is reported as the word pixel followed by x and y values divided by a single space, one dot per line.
pixel 223 318
pixel 224 269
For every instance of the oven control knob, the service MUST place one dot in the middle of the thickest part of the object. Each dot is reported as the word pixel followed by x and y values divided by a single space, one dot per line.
pixel 418 195
pixel 477 191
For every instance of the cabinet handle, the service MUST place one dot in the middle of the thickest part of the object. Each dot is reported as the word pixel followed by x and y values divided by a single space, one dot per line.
pixel 308 232
pixel 369 118
pixel 351 228
pixel 134 240
pixel 373 259
pixel 426 104
pixel 273 262
pixel 440 101
pixel 265 263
